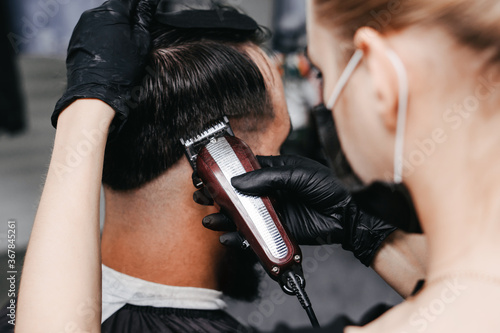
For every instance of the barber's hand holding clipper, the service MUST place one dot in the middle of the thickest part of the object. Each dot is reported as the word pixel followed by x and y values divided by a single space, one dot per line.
pixel 107 55
pixel 316 208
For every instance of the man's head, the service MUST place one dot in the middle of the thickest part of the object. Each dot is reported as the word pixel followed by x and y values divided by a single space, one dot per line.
pixel 195 77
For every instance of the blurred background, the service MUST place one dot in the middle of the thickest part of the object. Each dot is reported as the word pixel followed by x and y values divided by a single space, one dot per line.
pixel 34 38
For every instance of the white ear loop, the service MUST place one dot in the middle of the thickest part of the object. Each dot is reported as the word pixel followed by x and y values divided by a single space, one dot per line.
pixel 346 74
pixel 402 103
pixel 402 110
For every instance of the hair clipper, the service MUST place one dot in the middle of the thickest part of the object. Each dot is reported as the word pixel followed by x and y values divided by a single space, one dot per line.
pixel 216 156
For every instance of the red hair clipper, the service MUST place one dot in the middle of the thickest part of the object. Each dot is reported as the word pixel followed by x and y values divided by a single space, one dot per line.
pixel 216 156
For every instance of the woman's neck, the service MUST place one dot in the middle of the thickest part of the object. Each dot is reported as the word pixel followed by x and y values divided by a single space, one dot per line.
pixel 459 208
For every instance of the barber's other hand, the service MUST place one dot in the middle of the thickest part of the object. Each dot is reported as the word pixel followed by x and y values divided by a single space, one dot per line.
pixel 107 54
pixel 315 207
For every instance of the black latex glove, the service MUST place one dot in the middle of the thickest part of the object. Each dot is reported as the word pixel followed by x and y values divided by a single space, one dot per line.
pixel 107 54
pixel 315 207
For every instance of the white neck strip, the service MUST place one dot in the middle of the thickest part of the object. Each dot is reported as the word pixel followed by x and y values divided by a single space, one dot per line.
pixel 119 289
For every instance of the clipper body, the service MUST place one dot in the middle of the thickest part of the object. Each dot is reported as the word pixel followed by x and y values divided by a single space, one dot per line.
pixel 216 156
pixel 255 217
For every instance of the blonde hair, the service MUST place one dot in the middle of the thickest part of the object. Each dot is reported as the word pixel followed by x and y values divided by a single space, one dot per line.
pixel 475 23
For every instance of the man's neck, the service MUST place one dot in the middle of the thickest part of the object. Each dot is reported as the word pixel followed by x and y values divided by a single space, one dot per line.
pixel 161 240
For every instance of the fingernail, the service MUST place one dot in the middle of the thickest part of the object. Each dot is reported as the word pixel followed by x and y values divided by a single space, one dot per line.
pixel 223 239
pixel 235 180
pixel 207 220
pixel 195 197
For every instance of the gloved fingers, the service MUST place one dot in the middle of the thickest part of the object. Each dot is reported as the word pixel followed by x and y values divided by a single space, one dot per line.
pixel 145 13
pixel 281 160
pixel 140 12
pixel 197 182
pixel 122 7
pixel 234 240
pixel 263 181
pixel 306 180
pixel 289 173
pixel 202 197
pixel 218 222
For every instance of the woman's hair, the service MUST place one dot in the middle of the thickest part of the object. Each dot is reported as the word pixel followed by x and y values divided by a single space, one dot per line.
pixel 473 23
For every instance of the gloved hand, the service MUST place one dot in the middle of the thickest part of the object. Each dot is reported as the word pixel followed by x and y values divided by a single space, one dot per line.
pixel 107 54
pixel 315 207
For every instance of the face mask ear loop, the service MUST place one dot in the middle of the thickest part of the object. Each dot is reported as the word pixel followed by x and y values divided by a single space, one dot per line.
pixel 346 74
pixel 402 110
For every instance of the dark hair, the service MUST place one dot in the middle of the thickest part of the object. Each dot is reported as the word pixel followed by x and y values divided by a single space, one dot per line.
pixel 195 77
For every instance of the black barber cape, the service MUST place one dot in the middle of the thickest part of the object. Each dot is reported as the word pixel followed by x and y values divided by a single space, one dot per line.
pixel 147 319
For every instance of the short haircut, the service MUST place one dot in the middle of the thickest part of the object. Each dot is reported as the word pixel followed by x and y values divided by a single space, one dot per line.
pixel 195 77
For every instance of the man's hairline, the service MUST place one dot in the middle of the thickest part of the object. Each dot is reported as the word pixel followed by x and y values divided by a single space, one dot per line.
pixel 265 120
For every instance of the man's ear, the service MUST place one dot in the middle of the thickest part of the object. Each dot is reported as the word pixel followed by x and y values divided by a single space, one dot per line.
pixel 383 75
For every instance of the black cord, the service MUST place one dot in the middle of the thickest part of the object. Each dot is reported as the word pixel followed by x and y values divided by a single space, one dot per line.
pixel 301 294
pixel 312 317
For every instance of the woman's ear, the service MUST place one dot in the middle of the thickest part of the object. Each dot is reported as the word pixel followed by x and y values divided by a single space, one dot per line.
pixel 383 75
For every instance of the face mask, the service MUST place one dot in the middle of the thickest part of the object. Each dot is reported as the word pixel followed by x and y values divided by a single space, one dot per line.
pixel 389 201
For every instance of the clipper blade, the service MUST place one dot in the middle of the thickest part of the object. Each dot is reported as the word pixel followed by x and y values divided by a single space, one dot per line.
pixel 192 146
